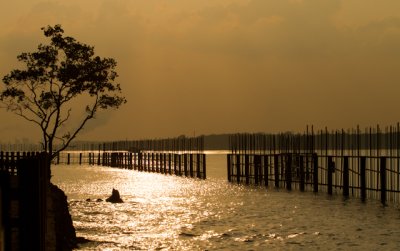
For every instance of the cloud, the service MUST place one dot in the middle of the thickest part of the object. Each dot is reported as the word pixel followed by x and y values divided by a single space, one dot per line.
pixel 222 65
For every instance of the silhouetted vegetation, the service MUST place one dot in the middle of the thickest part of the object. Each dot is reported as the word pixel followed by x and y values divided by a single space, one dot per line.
pixel 54 76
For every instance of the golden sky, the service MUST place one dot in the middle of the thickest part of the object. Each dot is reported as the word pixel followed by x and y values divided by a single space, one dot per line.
pixel 215 66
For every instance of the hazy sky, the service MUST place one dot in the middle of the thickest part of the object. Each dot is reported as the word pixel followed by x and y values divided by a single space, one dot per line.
pixel 214 66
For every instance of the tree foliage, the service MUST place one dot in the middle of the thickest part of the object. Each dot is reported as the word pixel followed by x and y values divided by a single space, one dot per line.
pixel 54 76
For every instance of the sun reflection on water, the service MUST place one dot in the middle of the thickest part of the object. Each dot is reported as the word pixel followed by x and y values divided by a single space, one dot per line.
pixel 162 212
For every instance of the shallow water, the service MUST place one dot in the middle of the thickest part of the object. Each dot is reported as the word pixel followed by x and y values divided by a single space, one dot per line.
pixel 163 212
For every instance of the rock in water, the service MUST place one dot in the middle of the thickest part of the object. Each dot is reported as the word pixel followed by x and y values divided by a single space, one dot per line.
pixel 114 198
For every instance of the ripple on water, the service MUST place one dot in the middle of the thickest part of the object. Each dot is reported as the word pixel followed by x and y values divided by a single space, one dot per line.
pixel 169 212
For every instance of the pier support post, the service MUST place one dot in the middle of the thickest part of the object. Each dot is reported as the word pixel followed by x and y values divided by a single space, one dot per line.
pixel 257 168
pixel 266 162
pixel 276 170
pixel 330 171
pixel 246 168
pixel 288 172
pixel 180 164
pixel 204 166
pixel 383 179
pixel 185 164
pixel 169 163
pixel 238 168
pixel 302 176
pixel 315 173
pixel 346 175
pixel 191 165
pixel 165 163
pixel 198 166
pixel 228 164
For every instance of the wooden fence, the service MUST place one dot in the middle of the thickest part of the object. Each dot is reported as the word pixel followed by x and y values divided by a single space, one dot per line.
pixel 24 181
pixel 364 177
pixel 352 162
pixel 181 164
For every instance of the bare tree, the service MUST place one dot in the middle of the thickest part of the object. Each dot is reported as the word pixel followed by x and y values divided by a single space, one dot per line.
pixel 55 75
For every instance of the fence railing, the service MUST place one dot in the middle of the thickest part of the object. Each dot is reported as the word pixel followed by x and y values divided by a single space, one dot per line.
pixel 181 164
pixel 367 177
pixel 24 181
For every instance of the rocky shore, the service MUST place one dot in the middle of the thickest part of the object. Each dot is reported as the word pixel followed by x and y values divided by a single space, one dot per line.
pixel 61 235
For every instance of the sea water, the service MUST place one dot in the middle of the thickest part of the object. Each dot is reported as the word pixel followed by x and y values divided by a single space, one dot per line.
pixel 167 212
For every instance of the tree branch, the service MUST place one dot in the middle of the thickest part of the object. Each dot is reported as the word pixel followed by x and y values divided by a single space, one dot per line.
pixel 91 114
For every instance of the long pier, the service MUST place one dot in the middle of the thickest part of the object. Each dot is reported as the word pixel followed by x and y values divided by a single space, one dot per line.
pixel 180 164
pixel 182 156
pixel 351 163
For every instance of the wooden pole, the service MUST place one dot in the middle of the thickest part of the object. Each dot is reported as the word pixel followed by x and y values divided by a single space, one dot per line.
pixel 346 176
pixel 288 172
pixel 180 164
pixel 383 179
pixel 185 164
pixel 162 160
pixel 330 171
pixel 204 166
pixel 169 163
pixel 302 176
pixel 246 169
pixel 362 178
pixel 238 168
pixel 315 173
pixel 257 168
pixel 228 159
pixel 266 159
pixel 276 170
pixel 198 166
pixel 191 164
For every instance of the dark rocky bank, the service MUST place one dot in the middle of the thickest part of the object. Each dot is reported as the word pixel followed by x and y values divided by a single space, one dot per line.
pixel 65 235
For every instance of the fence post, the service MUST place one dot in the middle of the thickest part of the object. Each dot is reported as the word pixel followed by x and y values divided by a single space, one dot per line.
pixel 185 166
pixel 238 168
pixel 148 163
pixel 165 163
pixel 246 168
pixel 266 170
pixel 161 164
pixel 33 177
pixel 68 158
pixel 204 166
pixel 198 166
pixel 302 176
pixel 330 170
pixel 257 165
pixel 169 163
pixel 315 173
pixel 191 164
pixel 152 163
pixel 180 164
pixel 80 158
pixel 276 170
pixel 383 179
pixel 228 159
pixel 140 161
pixel 288 172
pixel 346 176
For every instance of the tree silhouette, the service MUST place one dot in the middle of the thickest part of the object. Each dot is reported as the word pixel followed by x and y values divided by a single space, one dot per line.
pixel 54 76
